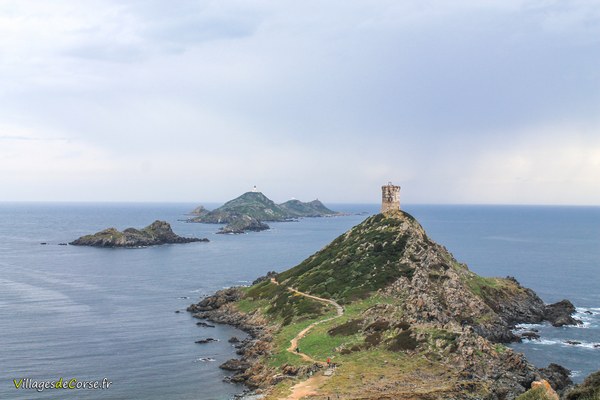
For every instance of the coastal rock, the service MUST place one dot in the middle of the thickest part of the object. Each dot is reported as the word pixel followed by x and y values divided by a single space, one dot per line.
pixel 205 341
pixel 217 300
pixel 157 233
pixel 560 314
pixel 557 375
pixel 244 224
pixel 235 365
pixel 199 211
pixel 529 335
pixel 204 324
pixel 588 390
pixel 267 277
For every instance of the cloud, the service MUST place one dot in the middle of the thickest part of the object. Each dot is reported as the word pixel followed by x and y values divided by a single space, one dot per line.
pixel 436 96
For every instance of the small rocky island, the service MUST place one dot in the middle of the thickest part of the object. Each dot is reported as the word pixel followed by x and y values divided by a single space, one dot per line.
pixel 157 233
pixel 243 224
pixel 249 211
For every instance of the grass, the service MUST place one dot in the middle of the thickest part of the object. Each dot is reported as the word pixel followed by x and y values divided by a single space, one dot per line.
pixel 281 390
pixel 356 264
pixel 537 393
pixel 479 284
pixel 320 344
pixel 358 372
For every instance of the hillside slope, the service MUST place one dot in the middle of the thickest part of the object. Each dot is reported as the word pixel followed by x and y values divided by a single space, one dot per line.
pixel 297 208
pixel 417 323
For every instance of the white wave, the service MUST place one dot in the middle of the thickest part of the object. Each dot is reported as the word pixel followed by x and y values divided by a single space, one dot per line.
pixel 549 342
pixel 585 345
pixel 590 309
pixel 546 342
pixel 527 327
pixel 205 359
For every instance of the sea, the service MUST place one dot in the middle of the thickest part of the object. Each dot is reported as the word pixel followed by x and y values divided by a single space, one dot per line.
pixel 87 315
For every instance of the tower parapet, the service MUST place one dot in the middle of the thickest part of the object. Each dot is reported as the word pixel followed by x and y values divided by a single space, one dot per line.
pixel 390 197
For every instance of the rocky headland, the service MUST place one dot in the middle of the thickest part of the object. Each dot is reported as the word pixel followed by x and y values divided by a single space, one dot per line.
pixel 415 323
pixel 157 233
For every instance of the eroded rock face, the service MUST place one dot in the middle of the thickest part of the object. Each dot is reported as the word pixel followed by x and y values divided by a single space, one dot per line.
pixel 557 375
pixel 560 314
pixel 589 389
pixel 159 232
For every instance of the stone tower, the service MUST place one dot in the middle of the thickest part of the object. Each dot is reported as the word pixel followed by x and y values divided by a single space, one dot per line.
pixel 390 197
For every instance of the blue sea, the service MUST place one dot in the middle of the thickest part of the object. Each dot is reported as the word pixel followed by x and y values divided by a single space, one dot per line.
pixel 90 314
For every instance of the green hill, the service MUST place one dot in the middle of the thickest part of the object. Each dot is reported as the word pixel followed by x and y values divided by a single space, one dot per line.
pixel 415 323
pixel 252 204
pixel 297 208
pixel 257 206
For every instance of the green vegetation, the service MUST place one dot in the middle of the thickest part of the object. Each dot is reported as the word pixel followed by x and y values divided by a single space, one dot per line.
pixel 479 284
pixel 259 207
pixel 537 393
pixel 283 304
pixel 588 390
pixel 296 208
pixel 355 264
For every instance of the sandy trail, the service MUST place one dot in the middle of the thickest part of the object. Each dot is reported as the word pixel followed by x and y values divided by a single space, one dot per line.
pixel 309 386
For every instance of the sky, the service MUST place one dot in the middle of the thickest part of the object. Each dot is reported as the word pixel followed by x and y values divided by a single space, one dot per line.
pixel 477 102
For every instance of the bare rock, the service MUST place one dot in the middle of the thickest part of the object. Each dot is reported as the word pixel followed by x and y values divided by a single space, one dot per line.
pixel 560 314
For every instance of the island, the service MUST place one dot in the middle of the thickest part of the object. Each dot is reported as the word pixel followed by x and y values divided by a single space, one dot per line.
pixel 157 233
pixel 249 211
pixel 384 312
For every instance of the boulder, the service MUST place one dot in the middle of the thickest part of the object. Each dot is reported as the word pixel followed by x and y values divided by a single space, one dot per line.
pixel 560 314
pixel 235 365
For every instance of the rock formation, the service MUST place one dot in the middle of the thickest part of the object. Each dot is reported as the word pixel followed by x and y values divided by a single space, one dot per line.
pixel 159 232
pixel 410 300
pixel 244 224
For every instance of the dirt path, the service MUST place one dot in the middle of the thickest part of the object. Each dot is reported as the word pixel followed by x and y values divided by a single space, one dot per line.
pixel 309 386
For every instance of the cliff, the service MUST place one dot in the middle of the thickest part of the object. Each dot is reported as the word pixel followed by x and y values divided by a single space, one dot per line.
pixel 414 322
pixel 157 233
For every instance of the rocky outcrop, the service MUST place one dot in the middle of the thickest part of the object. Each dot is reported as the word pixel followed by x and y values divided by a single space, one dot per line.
pixel 221 308
pixel 435 309
pixel 157 233
pixel 561 314
pixel 588 390
pixel 557 375
pixel 244 224
pixel 199 211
